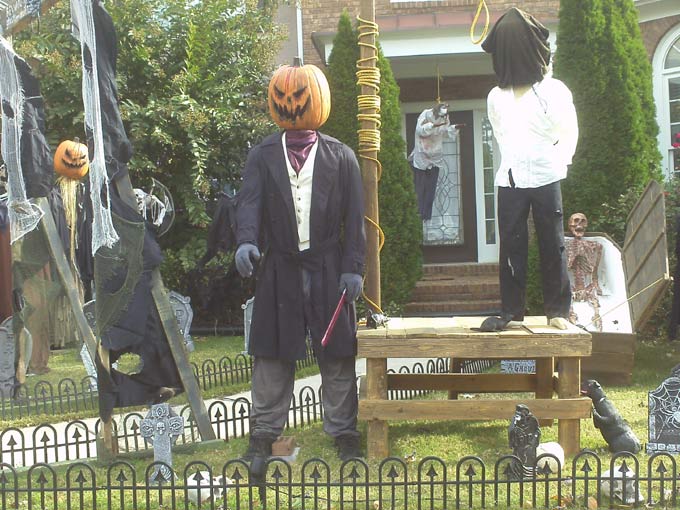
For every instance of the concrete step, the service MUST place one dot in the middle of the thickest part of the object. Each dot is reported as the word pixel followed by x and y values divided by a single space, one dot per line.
pixel 439 271
pixel 453 307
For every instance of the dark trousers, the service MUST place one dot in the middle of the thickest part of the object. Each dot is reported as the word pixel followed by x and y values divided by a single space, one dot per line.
pixel 425 182
pixel 545 203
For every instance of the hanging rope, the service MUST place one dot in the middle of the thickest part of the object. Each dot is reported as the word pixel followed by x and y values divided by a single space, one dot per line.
pixel 368 75
pixel 482 5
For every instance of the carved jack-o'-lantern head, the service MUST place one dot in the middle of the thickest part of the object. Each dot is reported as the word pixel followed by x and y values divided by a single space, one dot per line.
pixel 72 159
pixel 299 97
pixel 578 224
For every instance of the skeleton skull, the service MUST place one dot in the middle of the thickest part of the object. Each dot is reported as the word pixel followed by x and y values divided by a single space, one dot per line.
pixel 578 224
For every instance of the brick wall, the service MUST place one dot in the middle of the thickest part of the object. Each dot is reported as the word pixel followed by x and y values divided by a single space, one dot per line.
pixel 653 31
pixel 323 15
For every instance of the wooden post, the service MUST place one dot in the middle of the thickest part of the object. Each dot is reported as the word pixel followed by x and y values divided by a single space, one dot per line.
pixel 569 431
pixel 378 432
pixel 369 167
pixel 544 383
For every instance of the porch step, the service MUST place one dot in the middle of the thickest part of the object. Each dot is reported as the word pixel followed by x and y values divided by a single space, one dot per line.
pixel 456 289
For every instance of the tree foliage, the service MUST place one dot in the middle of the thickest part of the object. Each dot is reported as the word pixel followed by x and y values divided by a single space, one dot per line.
pixel 401 257
pixel 601 58
pixel 192 78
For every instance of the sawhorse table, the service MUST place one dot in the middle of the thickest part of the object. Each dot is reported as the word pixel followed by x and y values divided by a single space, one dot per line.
pixel 453 338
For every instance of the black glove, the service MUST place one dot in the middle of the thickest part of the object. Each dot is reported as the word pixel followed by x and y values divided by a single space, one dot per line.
pixel 354 284
pixel 245 254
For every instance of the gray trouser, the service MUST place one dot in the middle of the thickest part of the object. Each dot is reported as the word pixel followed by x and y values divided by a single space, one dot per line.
pixel 272 391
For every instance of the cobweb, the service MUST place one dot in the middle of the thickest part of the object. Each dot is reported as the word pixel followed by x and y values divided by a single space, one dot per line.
pixel 103 232
pixel 24 216
pixel 664 405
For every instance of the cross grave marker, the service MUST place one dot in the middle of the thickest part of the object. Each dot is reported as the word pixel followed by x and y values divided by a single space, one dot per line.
pixel 161 428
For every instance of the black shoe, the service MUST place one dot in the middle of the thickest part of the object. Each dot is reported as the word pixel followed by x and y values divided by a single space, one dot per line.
pixel 263 450
pixel 348 447
pixel 254 446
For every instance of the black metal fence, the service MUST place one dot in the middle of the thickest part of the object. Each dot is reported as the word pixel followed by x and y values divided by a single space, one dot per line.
pixel 230 418
pixel 429 483
pixel 71 396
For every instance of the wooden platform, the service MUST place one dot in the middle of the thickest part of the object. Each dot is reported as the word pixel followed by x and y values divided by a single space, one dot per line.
pixel 452 337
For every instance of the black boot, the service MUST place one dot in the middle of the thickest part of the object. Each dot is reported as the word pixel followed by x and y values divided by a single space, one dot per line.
pixel 261 447
pixel 348 447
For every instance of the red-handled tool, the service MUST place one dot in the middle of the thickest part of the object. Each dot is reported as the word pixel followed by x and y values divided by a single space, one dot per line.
pixel 334 319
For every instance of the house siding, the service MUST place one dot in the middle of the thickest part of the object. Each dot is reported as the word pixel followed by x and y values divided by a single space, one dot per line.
pixel 653 31
pixel 323 15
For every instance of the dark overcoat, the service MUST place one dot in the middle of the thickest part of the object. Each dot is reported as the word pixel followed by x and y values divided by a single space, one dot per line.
pixel 337 245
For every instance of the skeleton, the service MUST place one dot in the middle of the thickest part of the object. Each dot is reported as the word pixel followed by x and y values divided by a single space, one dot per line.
pixel 583 259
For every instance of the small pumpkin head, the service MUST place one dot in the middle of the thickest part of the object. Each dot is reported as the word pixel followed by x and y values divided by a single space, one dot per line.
pixel 299 97
pixel 72 159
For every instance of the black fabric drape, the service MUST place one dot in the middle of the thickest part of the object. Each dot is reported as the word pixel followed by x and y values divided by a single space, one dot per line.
pixel 36 156
pixel 519 47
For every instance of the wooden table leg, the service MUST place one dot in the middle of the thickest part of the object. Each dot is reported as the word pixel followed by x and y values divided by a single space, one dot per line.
pixel 544 375
pixel 455 367
pixel 569 431
pixel 376 381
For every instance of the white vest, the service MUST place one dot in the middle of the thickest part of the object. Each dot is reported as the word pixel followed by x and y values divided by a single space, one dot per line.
pixel 301 189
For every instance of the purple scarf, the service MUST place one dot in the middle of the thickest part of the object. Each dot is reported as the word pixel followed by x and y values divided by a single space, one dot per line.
pixel 298 144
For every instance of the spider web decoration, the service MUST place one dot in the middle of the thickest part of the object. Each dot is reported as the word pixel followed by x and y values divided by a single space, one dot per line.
pixel 103 232
pixel 23 215
pixel 664 415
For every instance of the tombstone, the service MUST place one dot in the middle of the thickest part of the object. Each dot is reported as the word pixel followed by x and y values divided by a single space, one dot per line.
pixel 664 415
pixel 161 428
pixel 7 357
pixel 184 314
pixel 523 437
pixel 247 319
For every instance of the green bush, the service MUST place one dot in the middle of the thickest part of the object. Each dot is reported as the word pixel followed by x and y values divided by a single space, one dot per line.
pixel 601 58
pixel 401 257
pixel 192 80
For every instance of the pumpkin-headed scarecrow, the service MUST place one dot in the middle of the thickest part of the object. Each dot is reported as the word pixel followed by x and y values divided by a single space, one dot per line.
pixel 301 194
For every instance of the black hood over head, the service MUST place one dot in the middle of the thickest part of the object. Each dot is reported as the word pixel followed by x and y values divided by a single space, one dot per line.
pixel 519 46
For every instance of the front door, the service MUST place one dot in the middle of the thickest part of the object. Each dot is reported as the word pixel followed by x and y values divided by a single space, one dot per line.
pixel 451 234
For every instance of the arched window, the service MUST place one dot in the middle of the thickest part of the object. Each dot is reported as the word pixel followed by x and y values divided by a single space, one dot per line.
pixel 666 65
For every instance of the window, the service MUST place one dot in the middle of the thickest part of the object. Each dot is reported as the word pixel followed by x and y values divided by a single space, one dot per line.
pixel 489 176
pixel 666 65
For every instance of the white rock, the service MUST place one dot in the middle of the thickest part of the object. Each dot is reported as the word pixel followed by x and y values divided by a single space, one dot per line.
pixel 550 448
pixel 631 484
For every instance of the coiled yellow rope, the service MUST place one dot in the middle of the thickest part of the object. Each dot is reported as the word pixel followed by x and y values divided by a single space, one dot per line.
pixel 482 5
pixel 368 75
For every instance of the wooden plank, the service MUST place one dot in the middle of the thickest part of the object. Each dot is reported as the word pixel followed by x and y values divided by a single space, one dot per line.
pixel 620 343
pixel 569 385
pixel 527 346
pixel 66 276
pixel 376 390
pixel 645 255
pixel 463 383
pixel 484 409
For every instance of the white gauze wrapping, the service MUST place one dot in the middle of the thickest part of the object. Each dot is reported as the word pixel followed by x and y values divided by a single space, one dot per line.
pixel 24 216
pixel 103 233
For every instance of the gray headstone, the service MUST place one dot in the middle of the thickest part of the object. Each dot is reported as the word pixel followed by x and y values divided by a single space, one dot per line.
pixel 247 319
pixel 7 354
pixel 161 428
pixel 664 415
pixel 184 314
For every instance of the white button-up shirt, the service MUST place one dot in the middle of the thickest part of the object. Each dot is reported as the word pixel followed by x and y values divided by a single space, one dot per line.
pixel 301 188
pixel 536 133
